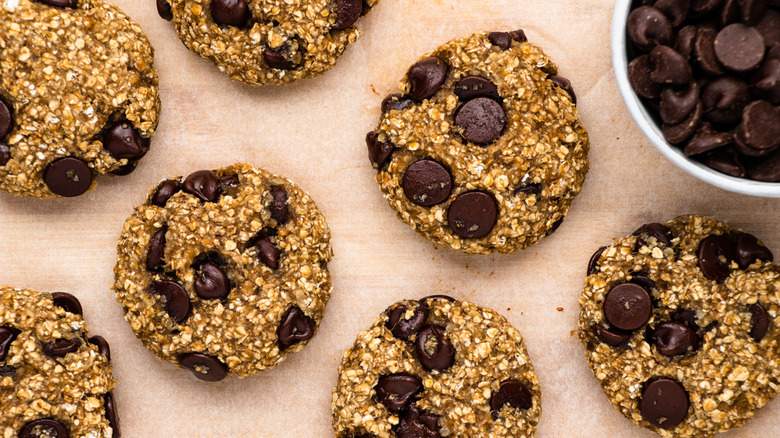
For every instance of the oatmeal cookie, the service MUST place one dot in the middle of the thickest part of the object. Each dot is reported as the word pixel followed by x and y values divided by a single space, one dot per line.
pixel 78 95
pixel 224 271
pixel 54 380
pixel 679 322
pixel 482 150
pixel 263 42
pixel 433 368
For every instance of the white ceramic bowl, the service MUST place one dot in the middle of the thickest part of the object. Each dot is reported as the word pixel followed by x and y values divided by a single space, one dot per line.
pixel 653 132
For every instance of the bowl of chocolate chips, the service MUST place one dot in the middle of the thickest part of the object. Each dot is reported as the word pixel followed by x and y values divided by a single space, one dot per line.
pixel 701 78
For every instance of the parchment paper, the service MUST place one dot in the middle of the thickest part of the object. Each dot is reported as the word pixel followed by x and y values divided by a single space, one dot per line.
pixel 313 132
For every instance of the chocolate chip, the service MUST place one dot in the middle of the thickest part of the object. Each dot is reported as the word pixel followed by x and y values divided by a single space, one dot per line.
pixel 67 301
pixel 177 302
pixel 347 13
pixel 766 81
pixel 7 371
pixel 768 170
pixel 660 232
pixel 426 78
pixel 279 210
pixel 121 140
pixel 724 99
pixel 396 390
pixel 125 170
pixel 471 87
pixel 675 10
pixel 678 104
pixel 434 350
pixel 594 260
pixel 164 191
pixel 749 251
pixel 649 27
pixel 565 85
pixel 753 10
pixel 769 28
pixel 102 345
pixel 739 47
pixel 528 188
pixel 554 227
pixel 404 327
pixel 204 367
pixel 701 7
pixel 61 347
pixel 707 139
pixel 504 39
pixel 6 118
pixel 230 12
pixel 639 76
pixel 427 183
pixel 684 42
pixel 68 177
pixel 729 13
pixel 379 152
pixel 680 132
pixel 275 59
pixel 715 252
pixel 416 423
pixel 155 256
pixel 513 393
pixel 45 427
pixel 664 403
pixel 439 297
pixel 643 280
pixel 204 184
pixel 704 51
pixel 687 317
pixel 725 160
pixel 627 306
pixel 294 327
pixel 268 253
pixel 472 214
pixel 761 125
pixel 111 414
pixel 611 336
pixel 395 102
pixel 164 9
pixel 759 322
pixel 211 283
pixel 5 154
pixel 61 4
pixel 7 336
pixel 669 67
pixel 674 339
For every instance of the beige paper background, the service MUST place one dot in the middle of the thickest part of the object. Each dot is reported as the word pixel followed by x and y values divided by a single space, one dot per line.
pixel 313 133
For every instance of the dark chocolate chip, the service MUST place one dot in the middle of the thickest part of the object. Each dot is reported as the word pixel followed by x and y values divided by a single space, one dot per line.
pixel 482 120
pixel 395 102
pixel 111 414
pixel 565 85
pixel 739 47
pixel 211 283
pixel 707 139
pixel 347 13
pixel 427 183
pixel 669 67
pixel 753 10
pixel 230 12
pixel 426 78
pixel 704 51
pixel 611 336
pixel 675 10
pixel 7 336
pixel 416 423
pixel 439 297
pixel 121 140
pixel 268 253
pixel 471 87
pixel 61 347
pixel 164 191
pixel 680 132
pixel 725 160
pixel 664 403
pixel 528 189
pixel 155 257
pixel 396 390
pixel 684 42
pixel 294 327
pixel 649 27
pixel 379 152
pixel 204 184
pixel 102 345
pixel 766 83
pixel 434 350
pixel 715 252
pixel 701 7
pixel 67 301
pixel 404 327
pixel 627 306
pixel 164 9
pixel 768 170
pixel 639 76
pixel 660 232
pixel 724 99
pixel 687 317
pixel 643 280
pixel 674 339
pixel 593 263
pixel 741 146
pixel 279 209
pixel 125 170
pixel 45 427
pixel 472 214
pixel 275 59
pixel 761 125
pixel 759 322
pixel 504 39
pixel 204 367
pixel 554 227
pixel 769 28
pixel 513 393
pixel 61 4
pixel 177 302
pixel 749 251
pixel 68 177
pixel 7 371
pixel 6 118
pixel 5 154
pixel 678 104
pixel 729 13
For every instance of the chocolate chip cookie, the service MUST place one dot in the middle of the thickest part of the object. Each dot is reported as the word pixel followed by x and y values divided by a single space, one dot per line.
pixel 482 150
pixel 55 381
pixel 680 325
pixel 78 95
pixel 433 368
pixel 267 41
pixel 224 271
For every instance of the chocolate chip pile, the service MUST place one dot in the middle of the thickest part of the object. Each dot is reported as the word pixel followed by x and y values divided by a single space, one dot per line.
pixel 710 71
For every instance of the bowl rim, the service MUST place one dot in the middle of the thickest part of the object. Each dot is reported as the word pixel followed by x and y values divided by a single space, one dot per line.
pixel 652 131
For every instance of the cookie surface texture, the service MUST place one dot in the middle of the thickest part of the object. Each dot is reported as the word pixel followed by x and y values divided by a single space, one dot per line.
pixel 224 271
pixel 482 149
pixel 433 368
pixel 679 322
pixel 78 95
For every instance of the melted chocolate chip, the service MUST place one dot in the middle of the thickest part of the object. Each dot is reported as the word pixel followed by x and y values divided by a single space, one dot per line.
pixel 46 427
pixel 274 58
pixel 7 336
pixel 674 339
pixel 759 322
pixel 433 349
pixel 102 345
pixel 594 260
pixel 230 12
pixel 164 9
pixel 67 301
pixel 395 102
pixel 268 253
pixel 715 253
pixel 404 327
pixel 164 191
pixel 660 232
pixel 504 39
pixel 512 393
pixel 749 251
pixel 211 283
pixel 204 184
pixel 426 78
pixel 279 209
pixel 177 302
pixel 121 140
pixel 379 152
pixel 61 4
pixel 611 335
pixel 347 13
pixel 294 327
pixel 204 367
pixel 155 256
pixel 61 347
pixel 471 87
pixel 111 414
pixel 565 85
pixel 397 390
pixel 6 118
pixel 416 423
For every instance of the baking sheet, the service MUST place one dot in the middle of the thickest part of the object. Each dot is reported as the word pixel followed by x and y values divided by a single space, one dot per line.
pixel 313 133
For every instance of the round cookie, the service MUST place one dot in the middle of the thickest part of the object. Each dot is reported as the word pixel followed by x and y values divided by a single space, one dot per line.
pixel 224 271
pixel 679 322
pixel 482 150
pixel 55 381
pixel 262 42
pixel 78 95
pixel 433 368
